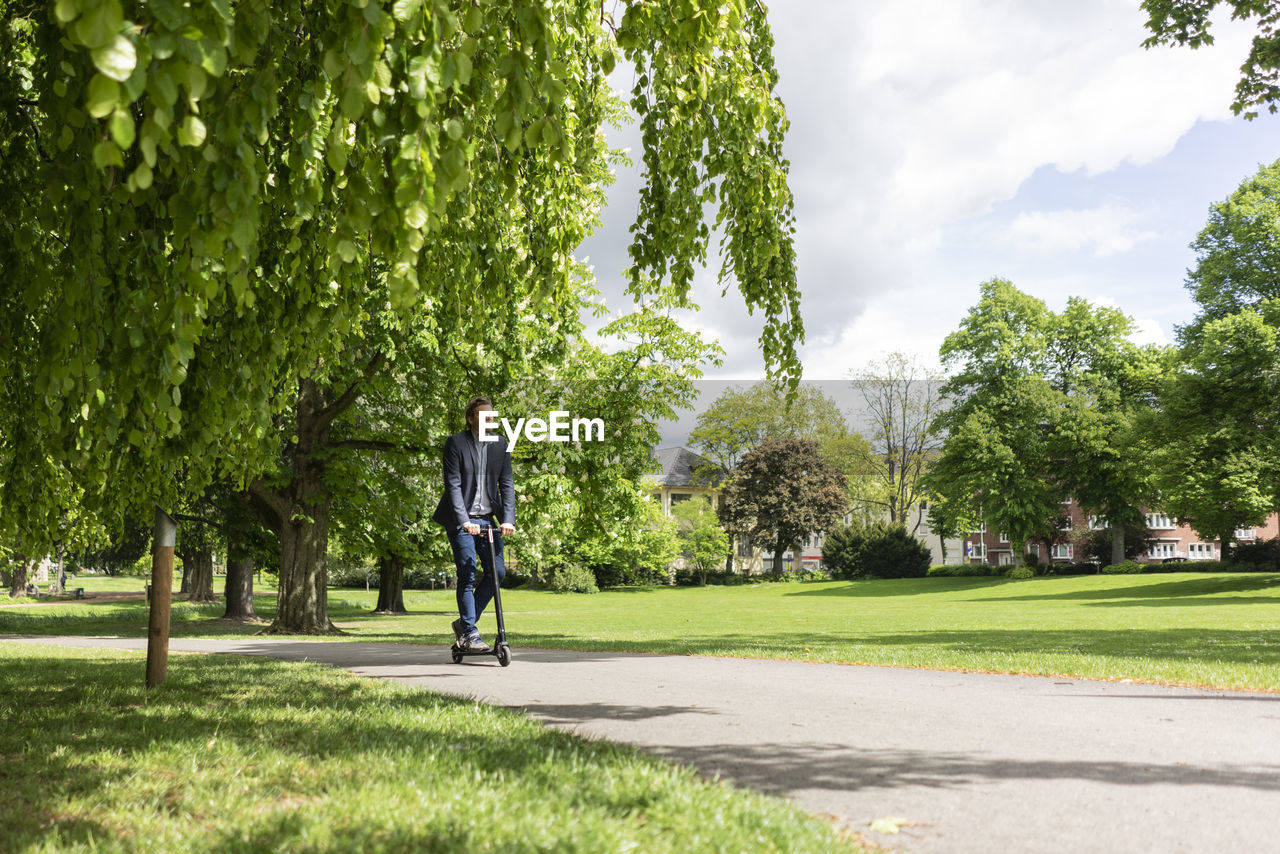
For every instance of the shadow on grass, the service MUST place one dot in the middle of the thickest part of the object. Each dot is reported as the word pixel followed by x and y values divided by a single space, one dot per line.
pixel 872 588
pixel 71 731
pixel 1208 645
pixel 1174 592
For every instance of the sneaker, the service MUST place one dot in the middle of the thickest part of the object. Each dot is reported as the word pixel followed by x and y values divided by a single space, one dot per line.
pixel 473 643
pixel 457 630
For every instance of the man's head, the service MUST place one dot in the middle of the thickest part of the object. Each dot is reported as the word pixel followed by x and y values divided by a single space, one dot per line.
pixel 474 408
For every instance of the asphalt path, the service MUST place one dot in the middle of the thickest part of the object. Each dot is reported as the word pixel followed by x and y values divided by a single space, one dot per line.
pixel 957 762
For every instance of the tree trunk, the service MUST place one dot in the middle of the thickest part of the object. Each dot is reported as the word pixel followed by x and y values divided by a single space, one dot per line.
pixel 185 586
pixel 21 572
pixel 301 511
pixel 198 576
pixel 1117 544
pixel 390 586
pixel 239 589
pixel 302 601
pixel 778 549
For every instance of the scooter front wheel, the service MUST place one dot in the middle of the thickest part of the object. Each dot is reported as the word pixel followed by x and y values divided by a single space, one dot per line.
pixel 504 655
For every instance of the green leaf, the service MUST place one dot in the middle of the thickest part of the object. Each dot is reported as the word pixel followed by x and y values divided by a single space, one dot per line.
pixel 608 62
pixel 453 128
pixel 192 131
pixel 66 11
pixel 148 146
pixel 117 59
pixel 122 129
pixel 107 154
pixel 462 71
pixel 99 25
pixel 403 10
pixel 347 250
pixel 104 95
pixel 142 176
pixel 474 19
pixel 213 58
pixel 415 216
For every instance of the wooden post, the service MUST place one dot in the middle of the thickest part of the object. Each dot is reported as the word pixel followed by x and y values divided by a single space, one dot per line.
pixel 163 537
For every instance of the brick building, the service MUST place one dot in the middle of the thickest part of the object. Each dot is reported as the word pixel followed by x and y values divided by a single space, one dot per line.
pixel 1170 541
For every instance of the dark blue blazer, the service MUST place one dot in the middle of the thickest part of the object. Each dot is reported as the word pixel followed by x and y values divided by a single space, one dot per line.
pixel 460 464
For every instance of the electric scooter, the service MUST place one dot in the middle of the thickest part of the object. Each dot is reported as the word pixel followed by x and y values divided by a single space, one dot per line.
pixel 500 648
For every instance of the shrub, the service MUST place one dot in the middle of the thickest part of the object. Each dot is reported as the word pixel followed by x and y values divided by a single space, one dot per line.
pixel 693 578
pixel 571 578
pixel 1071 569
pixel 1021 572
pixel 1127 568
pixel 617 575
pixel 962 570
pixel 879 550
pixel 1263 553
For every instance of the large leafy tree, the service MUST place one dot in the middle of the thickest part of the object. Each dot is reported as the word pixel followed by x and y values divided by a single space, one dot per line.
pixel 195 194
pixel 1218 434
pixel 702 541
pixel 781 493
pixel 1044 408
pixel 207 203
pixel 741 420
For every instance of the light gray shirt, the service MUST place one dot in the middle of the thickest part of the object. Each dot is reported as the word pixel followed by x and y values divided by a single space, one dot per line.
pixel 480 505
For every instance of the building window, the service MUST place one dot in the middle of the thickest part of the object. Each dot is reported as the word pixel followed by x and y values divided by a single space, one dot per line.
pixel 677 497
pixel 1004 537
pixel 1163 551
pixel 1005 559
pixel 1066 524
pixel 744 545
pixel 1246 534
pixel 975 550
pixel 1097 524
pixel 1033 549
pixel 1063 551
pixel 1159 522
pixel 1200 551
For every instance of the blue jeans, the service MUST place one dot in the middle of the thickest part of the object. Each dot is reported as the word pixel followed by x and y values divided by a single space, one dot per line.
pixel 472 597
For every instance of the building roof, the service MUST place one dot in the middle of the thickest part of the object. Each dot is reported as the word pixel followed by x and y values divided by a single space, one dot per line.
pixel 678 468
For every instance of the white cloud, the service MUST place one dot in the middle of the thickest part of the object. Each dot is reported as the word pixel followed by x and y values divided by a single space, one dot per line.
pixel 907 119
pixel 1102 231
pixel 945 107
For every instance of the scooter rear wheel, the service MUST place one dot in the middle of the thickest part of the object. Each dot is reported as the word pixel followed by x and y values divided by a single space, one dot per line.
pixel 457 657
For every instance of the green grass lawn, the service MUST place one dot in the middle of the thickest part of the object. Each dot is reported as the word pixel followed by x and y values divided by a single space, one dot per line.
pixel 250 755
pixel 1203 629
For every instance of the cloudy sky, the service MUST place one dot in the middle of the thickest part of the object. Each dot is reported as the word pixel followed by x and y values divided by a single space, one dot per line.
pixel 937 144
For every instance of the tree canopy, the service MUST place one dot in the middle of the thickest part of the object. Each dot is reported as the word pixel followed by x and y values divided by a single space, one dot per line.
pixel 1188 22
pixel 202 201
pixel 1044 408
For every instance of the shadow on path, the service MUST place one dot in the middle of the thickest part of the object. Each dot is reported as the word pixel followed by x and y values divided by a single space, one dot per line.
pixel 787 768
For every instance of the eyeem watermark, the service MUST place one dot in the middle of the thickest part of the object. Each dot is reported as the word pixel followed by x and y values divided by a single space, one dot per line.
pixel 558 428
